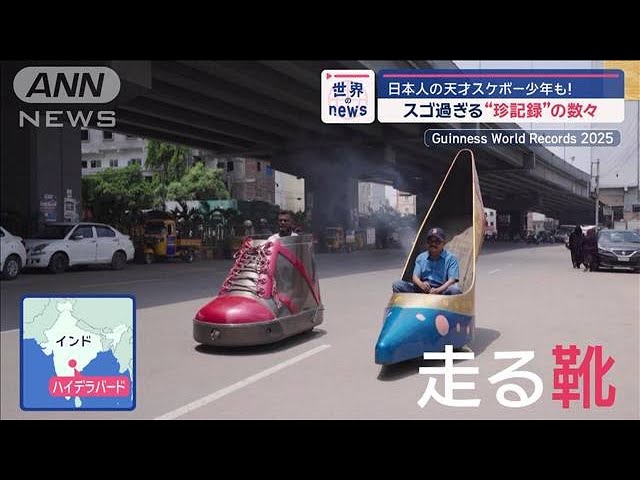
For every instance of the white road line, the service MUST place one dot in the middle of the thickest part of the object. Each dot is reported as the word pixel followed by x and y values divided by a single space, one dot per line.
pixel 201 402
pixel 494 271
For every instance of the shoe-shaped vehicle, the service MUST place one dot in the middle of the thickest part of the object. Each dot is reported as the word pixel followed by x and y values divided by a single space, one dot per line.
pixel 271 293
pixel 415 323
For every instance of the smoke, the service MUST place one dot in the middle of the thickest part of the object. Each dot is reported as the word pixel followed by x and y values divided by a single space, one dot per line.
pixel 331 176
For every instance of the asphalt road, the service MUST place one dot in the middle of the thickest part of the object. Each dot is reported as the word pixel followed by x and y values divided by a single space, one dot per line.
pixel 528 299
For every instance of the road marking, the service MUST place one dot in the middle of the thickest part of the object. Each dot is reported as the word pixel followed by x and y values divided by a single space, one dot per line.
pixel 201 402
pixel 494 271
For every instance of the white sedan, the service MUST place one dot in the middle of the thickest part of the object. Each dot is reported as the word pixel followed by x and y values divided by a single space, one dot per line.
pixel 12 255
pixel 61 245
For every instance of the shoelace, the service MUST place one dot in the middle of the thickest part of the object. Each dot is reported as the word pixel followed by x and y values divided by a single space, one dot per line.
pixel 251 264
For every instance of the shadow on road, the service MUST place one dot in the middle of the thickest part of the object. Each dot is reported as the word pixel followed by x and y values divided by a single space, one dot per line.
pixel 337 264
pixel 483 338
pixel 169 283
pixel 401 370
pixel 611 270
pixel 285 344
pixel 489 248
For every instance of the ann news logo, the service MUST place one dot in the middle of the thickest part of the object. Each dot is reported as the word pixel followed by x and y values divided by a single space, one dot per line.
pixel 348 96
pixel 66 85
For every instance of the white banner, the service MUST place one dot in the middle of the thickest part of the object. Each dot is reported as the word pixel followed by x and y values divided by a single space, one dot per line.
pixel 497 110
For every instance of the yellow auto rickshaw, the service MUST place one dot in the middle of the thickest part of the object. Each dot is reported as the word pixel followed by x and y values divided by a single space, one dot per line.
pixel 162 241
pixel 334 239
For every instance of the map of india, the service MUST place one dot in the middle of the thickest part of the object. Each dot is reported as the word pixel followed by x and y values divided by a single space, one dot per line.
pixel 77 353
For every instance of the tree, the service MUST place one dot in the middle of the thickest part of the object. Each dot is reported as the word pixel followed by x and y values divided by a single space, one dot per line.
pixel 115 191
pixel 199 183
pixel 169 164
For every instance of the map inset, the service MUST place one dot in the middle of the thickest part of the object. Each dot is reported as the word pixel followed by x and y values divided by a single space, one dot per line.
pixel 77 353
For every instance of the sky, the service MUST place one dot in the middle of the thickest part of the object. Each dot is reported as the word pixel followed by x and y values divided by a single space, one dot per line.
pixel 618 165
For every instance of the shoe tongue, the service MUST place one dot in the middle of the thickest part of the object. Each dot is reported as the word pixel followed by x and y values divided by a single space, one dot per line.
pixel 256 242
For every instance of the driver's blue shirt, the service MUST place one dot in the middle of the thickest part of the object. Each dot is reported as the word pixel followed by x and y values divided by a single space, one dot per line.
pixel 436 272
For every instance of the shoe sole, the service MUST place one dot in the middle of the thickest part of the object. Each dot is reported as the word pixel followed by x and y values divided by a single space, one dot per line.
pixel 260 333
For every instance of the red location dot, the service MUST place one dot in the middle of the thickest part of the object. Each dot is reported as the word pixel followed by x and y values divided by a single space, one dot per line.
pixel 72 363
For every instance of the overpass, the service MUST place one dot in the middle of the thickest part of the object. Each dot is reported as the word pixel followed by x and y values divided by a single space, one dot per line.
pixel 269 109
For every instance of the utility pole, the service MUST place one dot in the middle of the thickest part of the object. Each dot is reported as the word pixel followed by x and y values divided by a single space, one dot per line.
pixel 595 178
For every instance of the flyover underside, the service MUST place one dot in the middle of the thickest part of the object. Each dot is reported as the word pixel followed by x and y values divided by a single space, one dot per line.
pixel 504 189
pixel 270 110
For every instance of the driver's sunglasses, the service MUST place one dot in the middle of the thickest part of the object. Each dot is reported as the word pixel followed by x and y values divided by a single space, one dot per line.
pixel 434 241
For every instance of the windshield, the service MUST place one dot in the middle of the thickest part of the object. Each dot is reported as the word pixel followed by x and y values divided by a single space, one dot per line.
pixel 154 228
pixel 54 232
pixel 619 237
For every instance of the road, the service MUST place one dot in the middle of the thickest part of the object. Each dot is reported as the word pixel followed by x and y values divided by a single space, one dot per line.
pixel 528 299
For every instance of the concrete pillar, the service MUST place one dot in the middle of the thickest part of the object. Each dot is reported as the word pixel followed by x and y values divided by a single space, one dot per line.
pixel 331 201
pixel 15 152
pixel 39 166
pixel 424 199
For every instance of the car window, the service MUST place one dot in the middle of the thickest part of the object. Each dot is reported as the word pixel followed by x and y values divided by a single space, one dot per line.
pixel 54 232
pixel 631 237
pixel 620 237
pixel 85 230
pixel 104 232
pixel 153 228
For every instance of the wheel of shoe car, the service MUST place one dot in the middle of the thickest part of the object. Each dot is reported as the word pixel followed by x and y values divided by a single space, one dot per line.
pixel 148 258
pixel 11 267
pixel 59 262
pixel 188 257
pixel 119 260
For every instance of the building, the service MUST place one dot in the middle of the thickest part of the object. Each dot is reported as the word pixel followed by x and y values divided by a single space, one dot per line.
pixel 624 204
pixel 405 203
pixel 371 197
pixel 551 224
pixel 289 192
pixel 490 224
pixel 105 149
pixel 535 222
pixel 246 178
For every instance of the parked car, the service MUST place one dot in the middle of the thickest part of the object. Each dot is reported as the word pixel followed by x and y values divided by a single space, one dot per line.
pixel 13 255
pixel 618 249
pixel 61 245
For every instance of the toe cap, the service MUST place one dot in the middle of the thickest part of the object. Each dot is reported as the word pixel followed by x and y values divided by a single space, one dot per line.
pixel 234 309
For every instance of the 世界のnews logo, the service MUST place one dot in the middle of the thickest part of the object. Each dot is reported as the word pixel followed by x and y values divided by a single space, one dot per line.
pixel 348 96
